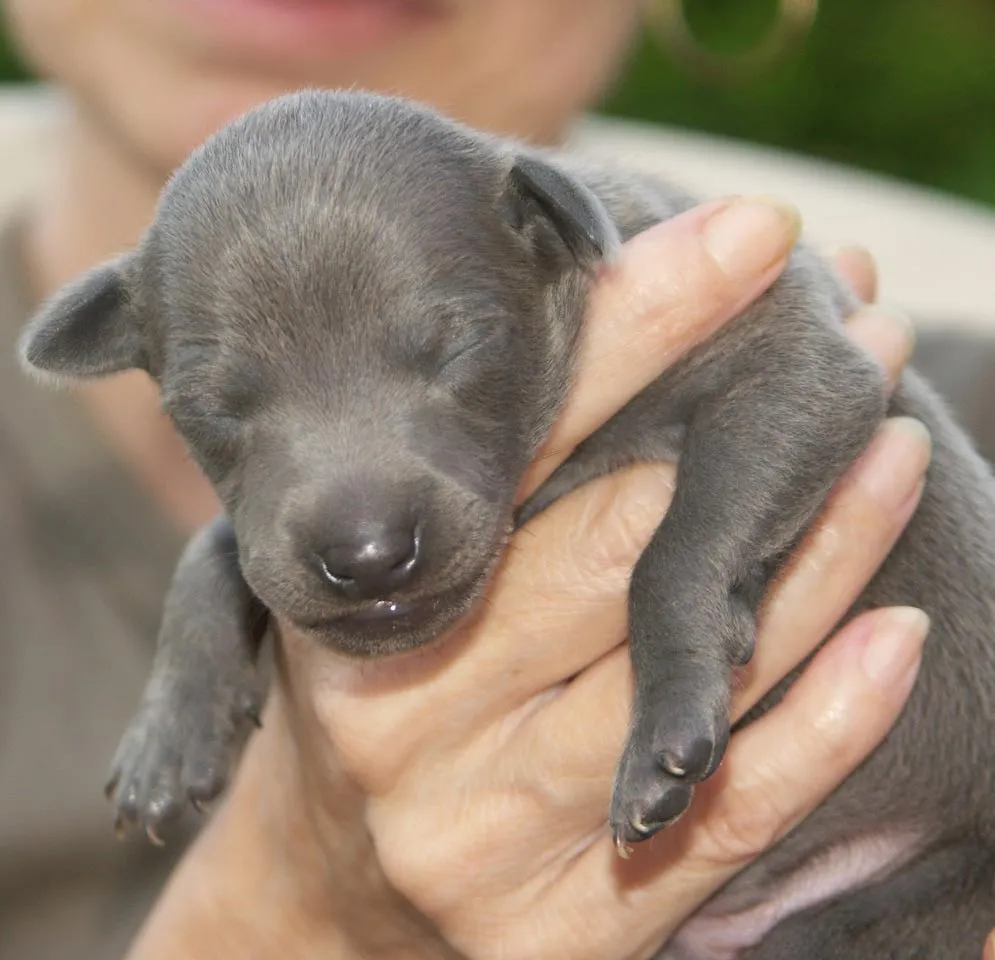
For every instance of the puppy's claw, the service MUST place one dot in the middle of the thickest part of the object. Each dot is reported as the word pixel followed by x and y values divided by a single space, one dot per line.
pixel 675 769
pixel 120 829
pixel 200 806
pixel 621 847
pixel 154 837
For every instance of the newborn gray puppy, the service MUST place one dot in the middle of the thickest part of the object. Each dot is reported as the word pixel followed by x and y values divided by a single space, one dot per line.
pixel 363 319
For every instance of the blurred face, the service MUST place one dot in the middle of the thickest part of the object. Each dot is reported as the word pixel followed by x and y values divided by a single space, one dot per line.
pixel 159 75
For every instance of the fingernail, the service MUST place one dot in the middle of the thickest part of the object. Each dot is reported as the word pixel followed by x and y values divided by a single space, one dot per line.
pixel 894 646
pixel 891 469
pixel 751 234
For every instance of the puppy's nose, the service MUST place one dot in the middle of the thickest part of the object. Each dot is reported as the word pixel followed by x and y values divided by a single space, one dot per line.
pixel 373 559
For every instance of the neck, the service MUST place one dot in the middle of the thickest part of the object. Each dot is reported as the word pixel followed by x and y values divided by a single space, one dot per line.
pixel 97 204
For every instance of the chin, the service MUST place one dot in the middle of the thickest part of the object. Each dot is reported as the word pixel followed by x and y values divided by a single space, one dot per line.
pixel 389 628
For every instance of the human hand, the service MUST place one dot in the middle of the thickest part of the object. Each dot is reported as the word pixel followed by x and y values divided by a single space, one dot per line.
pixel 487 761
pixel 485 764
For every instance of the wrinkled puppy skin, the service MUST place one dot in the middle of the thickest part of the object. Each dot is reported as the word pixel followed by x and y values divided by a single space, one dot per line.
pixel 363 319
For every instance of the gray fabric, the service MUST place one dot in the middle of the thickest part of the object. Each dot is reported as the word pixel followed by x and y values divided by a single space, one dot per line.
pixel 85 562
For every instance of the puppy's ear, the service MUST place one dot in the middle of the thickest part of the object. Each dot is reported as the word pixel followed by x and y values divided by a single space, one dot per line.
pixel 88 329
pixel 560 214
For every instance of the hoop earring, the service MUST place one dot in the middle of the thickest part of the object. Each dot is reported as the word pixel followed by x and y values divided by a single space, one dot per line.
pixel 667 19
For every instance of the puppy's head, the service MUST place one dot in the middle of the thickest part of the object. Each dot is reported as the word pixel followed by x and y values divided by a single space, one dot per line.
pixel 361 317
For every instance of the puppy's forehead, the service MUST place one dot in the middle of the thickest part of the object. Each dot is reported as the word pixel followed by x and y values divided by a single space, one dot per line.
pixel 315 167
pixel 330 207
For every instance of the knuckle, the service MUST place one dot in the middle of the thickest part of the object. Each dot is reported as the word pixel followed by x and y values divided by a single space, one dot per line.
pixel 447 857
pixel 427 862
pixel 540 932
pixel 752 817
pixel 516 942
pixel 410 865
pixel 373 747
pixel 503 932
pixel 363 764
pixel 743 828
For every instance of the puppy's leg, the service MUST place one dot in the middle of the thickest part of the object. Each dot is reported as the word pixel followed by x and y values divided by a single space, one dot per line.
pixel 780 407
pixel 606 451
pixel 202 690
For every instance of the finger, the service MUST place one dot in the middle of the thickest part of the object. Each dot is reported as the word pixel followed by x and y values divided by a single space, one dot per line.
pixel 568 567
pixel 866 514
pixel 989 953
pixel 587 554
pixel 887 335
pixel 566 573
pixel 570 589
pixel 857 267
pixel 776 772
pixel 575 594
pixel 673 286
pixel 573 741
pixel 567 577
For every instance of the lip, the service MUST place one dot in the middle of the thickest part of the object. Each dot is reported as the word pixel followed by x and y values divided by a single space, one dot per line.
pixel 298 27
pixel 388 625
pixel 386 610
pixel 385 618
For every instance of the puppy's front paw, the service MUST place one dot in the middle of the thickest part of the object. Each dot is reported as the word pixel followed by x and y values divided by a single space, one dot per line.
pixel 678 740
pixel 180 747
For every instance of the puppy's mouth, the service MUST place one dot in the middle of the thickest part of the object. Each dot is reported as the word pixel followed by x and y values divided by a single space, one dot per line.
pixel 381 627
pixel 384 610
pixel 393 611
pixel 384 627
pixel 376 615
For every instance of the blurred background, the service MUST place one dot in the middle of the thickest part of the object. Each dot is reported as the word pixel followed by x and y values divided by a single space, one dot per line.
pixel 903 87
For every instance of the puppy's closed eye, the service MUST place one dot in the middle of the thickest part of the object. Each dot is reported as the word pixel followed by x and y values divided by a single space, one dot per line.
pixel 474 344
pixel 213 431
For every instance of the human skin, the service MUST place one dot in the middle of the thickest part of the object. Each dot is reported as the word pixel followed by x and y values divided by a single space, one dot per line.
pixel 146 88
pixel 150 79
pixel 162 76
pixel 481 775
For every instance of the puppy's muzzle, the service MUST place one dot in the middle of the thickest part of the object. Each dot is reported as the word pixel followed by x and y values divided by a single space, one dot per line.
pixel 372 559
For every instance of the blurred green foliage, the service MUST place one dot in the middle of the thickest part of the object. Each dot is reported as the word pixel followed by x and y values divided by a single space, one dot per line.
pixel 10 67
pixel 905 87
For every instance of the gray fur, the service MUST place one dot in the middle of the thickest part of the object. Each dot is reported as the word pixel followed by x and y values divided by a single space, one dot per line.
pixel 363 318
